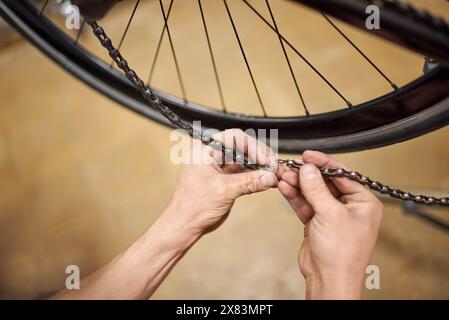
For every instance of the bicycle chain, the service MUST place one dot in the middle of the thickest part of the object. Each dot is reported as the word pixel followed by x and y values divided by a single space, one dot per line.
pixel 178 122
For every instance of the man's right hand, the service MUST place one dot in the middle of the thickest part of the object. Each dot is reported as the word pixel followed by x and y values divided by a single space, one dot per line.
pixel 342 220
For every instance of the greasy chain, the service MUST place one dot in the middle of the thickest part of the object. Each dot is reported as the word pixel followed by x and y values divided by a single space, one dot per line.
pixel 178 122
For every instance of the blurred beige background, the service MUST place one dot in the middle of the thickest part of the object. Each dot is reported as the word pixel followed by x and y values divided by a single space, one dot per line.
pixel 81 177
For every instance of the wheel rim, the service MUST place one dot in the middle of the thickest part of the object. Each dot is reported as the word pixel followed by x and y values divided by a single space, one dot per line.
pixel 397 107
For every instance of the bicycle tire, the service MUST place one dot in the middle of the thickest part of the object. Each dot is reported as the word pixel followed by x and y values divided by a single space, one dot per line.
pixel 415 109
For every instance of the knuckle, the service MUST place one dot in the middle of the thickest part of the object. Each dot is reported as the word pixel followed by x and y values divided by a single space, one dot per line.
pixel 238 131
pixel 233 132
pixel 250 184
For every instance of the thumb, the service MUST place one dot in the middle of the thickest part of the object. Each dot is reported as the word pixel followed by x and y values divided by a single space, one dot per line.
pixel 251 182
pixel 315 189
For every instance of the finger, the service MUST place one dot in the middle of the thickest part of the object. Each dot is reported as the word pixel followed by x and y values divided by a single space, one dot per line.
pixel 345 185
pixel 226 162
pixel 217 154
pixel 282 169
pixel 297 201
pixel 321 160
pixel 292 178
pixel 250 182
pixel 306 230
pixel 280 172
pixel 232 168
pixel 316 191
pixel 201 154
pixel 256 151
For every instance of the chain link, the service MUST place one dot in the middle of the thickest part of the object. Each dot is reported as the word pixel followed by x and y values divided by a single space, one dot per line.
pixel 372 184
pixel 178 122
pixel 156 103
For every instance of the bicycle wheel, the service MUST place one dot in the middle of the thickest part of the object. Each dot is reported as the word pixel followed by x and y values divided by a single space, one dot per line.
pixel 411 110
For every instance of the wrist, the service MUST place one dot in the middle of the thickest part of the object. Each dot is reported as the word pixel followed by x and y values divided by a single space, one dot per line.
pixel 338 285
pixel 168 236
pixel 174 228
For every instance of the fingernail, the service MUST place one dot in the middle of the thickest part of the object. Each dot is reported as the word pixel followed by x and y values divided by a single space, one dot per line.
pixel 308 171
pixel 267 179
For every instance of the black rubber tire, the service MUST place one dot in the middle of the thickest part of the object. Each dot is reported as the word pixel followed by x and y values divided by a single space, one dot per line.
pixel 417 108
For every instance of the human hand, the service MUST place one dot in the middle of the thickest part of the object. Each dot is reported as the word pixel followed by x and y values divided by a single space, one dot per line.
pixel 202 200
pixel 342 220
pixel 206 191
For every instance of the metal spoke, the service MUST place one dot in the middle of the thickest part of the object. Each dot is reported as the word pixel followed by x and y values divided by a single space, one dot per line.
pixel 287 59
pixel 127 27
pixel 158 47
pixel 220 91
pixel 349 104
pixel 43 7
pixel 175 59
pixel 392 84
pixel 80 31
pixel 245 58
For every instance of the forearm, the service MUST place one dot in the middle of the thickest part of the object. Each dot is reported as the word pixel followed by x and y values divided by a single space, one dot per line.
pixel 138 272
